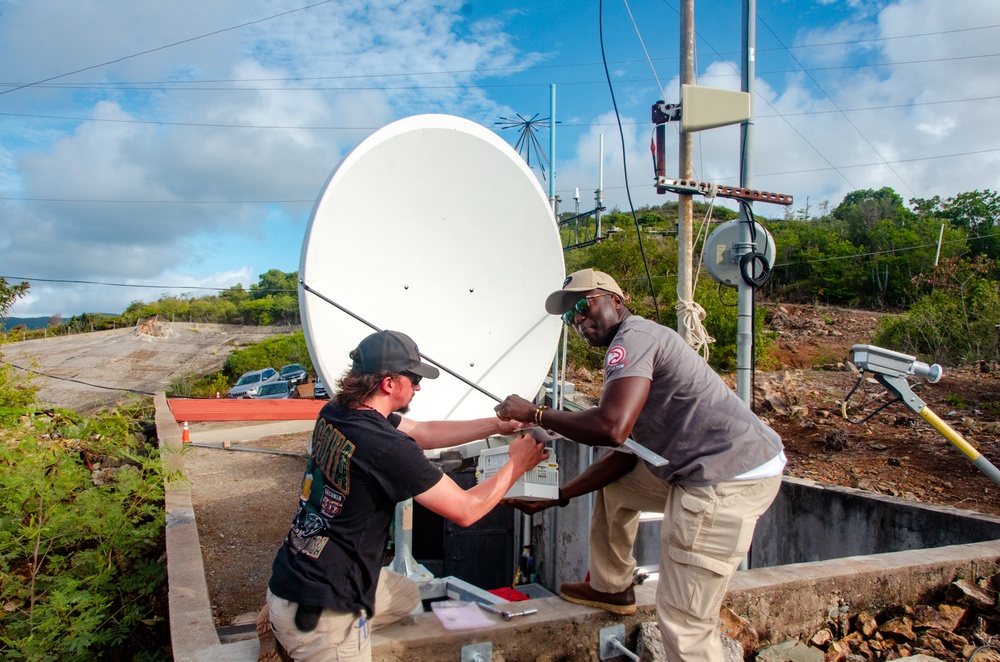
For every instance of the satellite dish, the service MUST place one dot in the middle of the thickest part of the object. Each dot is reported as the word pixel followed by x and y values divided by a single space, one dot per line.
pixel 719 255
pixel 435 227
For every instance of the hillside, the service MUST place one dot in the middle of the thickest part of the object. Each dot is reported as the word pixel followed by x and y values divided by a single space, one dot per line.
pixel 90 370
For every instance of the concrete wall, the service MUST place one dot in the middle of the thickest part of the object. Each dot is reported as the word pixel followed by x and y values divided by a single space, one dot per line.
pixel 813 522
pixel 808 522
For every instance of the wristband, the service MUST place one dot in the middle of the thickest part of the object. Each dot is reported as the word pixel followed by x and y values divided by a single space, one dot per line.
pixel 563 501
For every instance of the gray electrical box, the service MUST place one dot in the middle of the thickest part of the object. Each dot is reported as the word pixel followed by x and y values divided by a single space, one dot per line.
pixel 720 258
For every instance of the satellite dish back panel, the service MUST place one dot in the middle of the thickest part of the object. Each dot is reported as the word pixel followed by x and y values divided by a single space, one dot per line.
pixel 435 227
pixel 719 256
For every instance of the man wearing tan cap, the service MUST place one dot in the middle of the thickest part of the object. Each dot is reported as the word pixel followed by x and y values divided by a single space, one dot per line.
pixel 328 586
pixel 724 467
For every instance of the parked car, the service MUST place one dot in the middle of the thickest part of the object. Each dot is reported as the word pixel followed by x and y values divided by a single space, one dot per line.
pixel 294 372
pixel 319 390
pixel 249 382
pixel 279 390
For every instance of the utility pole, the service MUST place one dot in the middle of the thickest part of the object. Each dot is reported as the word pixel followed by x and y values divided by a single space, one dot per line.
pixel 685 205
pixel 552 151
pixel 745 291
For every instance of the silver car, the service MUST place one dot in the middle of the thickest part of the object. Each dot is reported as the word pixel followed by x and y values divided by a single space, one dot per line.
pixel 279 390
pixel 319 390
pixel 294 372
pixel 249 382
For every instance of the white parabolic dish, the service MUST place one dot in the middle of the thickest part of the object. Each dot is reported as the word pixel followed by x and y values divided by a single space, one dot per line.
pixel 435 227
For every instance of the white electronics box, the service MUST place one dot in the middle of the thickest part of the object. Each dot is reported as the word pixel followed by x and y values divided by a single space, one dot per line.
pixel 542 482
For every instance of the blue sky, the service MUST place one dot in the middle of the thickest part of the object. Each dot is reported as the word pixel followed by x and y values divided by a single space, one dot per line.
pixel 190 145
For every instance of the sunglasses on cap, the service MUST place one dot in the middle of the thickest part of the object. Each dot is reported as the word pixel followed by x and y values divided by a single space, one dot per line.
pixel 582 306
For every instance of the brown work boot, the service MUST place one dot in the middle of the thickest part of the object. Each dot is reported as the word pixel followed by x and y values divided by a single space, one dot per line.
pixel 582 593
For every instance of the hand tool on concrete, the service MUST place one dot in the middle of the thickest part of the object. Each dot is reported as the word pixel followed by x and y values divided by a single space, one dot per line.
pixel 507 615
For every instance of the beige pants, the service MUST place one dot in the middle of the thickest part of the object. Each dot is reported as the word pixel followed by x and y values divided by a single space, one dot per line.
pixel 706 532
pixel 339 636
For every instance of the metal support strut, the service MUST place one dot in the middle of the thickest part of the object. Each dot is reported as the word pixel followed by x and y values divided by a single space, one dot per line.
pixel 890 369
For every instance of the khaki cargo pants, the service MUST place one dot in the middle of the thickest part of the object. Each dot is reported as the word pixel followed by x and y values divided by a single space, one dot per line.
pixel 706 533
pixel 340 637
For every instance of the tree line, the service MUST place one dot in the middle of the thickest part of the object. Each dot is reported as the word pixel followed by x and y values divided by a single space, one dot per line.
pixel 931 265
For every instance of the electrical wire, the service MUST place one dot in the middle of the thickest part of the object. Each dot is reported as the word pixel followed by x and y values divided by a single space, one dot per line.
pixel 844 115
pixel 847 397
pixel 646 52
pixel 166 46
pixel 621 134
pixel 78 381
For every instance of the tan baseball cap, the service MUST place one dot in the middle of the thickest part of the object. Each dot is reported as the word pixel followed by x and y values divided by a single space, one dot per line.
pixel 584 280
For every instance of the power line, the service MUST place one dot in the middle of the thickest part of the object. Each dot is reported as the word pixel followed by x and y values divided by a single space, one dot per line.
pixel 77 381
pixel 194 86
pixel 582 125
pixel 891 250
pixel 94 282
pixel 159 202
pixel 158 287
pixel 505 70
pixel 166 46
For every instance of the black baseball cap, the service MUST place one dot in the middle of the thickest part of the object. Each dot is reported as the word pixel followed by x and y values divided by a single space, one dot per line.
pixel 390 351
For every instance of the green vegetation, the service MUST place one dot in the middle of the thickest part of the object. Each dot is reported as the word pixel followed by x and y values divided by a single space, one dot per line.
pixel 956 401
pixel 273 352
pixel 871 251
pixel 272 301
pixel 81 530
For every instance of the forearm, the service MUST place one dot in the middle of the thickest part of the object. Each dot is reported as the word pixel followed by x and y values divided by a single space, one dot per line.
pixel 586 427
pixel 485 496
pixel 444 434
pixel 609 468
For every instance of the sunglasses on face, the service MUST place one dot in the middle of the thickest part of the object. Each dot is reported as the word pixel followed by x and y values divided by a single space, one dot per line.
pixel 582 306
pixel 414 379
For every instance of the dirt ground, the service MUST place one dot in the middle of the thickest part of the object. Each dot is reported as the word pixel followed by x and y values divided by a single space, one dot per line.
pixel 244 507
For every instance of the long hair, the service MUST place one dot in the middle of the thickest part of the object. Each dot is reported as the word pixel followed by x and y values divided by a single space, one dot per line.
pixel 356 387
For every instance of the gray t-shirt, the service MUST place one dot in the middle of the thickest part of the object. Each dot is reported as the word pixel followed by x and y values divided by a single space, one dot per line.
pixel 691 417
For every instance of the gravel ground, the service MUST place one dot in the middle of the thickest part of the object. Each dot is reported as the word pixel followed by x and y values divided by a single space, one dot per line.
pixel 244 502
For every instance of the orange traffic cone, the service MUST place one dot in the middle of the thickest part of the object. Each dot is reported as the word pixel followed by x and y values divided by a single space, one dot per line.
pixel 185 437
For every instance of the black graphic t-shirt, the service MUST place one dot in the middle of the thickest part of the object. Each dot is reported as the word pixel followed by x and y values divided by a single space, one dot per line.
pixel 361 466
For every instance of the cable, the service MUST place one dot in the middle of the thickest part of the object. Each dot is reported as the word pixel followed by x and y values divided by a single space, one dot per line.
pixel 621 134
pixel 861 376
pixel 77 381
pixel 659 86
pixel 165 46
pixel 843 114
pixel 754 257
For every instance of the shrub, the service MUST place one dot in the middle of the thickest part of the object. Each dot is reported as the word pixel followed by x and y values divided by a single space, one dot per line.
pixel 273 352
pixel 81 529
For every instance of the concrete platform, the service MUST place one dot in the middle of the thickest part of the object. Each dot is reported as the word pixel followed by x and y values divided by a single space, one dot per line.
pixel 781 602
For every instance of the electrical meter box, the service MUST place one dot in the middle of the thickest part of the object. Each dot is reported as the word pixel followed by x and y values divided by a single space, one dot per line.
pixel 542 482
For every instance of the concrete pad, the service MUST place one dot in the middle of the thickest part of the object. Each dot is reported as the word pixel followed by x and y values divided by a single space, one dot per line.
pixel 240 432
pixel 781 602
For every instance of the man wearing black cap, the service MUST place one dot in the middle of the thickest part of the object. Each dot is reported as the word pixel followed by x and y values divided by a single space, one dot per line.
pixel 724 467
pixel 328 584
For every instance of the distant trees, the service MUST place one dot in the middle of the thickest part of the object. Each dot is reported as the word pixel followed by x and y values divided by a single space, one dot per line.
pixel 272 300
pixel 871 251
pixel 935 262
